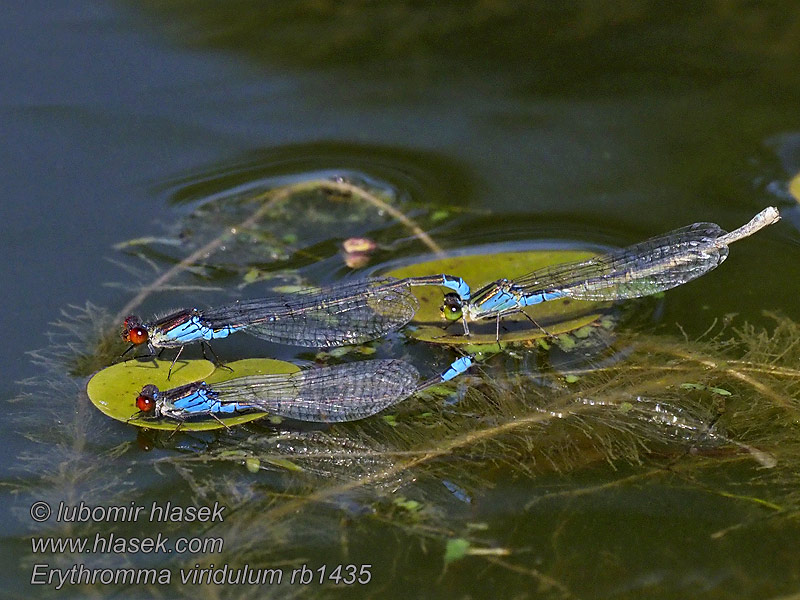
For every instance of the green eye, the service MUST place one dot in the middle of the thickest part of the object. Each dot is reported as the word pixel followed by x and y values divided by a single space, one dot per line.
pixel 451 313
pixel 451 308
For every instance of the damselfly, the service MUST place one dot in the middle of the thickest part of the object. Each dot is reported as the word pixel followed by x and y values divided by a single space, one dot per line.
pixel 348 313
pixel 652 266
pixel 327 394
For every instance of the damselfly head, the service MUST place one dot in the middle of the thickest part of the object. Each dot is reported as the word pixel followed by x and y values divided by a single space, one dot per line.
pixel 134 331
pixel 146 400
pixel 452 307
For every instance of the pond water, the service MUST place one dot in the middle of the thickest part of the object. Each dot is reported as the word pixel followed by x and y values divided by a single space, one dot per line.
pixel 136 132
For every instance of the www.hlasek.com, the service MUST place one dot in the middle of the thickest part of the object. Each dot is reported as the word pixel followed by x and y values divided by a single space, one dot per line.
pixel 110 543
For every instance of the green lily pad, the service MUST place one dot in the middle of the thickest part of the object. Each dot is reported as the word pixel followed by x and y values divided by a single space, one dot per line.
pixel 114 389
pixel 554 317
pixel 794 187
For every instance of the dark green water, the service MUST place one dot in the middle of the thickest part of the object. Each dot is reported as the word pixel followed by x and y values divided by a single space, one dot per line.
pixel 580 122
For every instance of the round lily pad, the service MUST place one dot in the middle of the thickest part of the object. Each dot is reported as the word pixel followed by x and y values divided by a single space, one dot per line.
pixel 551 318
pixel 114 389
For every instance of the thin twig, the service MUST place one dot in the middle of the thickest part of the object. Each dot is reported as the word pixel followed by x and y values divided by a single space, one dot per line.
pixel 349 188
pixel 270 199
pixel 544 580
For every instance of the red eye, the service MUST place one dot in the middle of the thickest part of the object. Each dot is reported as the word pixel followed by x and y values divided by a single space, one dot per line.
pixel 136 335
pixel 133 331
pixel 145 403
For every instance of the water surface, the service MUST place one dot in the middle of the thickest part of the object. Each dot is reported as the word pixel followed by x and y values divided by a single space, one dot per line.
pixel 587 124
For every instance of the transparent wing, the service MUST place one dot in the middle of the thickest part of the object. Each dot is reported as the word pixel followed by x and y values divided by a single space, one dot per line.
pixel 328 394
pixel 652 266
pixel 350 313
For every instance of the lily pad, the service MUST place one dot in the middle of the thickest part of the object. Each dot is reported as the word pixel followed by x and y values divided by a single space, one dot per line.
pixel 114 389
pixel 553 318
pixel 794 187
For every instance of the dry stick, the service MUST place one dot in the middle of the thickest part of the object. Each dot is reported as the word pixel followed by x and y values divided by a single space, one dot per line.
pixel 468 439
pixel 765 369
pixel 474 437
pixel 421 457
pixel 744 366
pixel 277 195
pixel 191 259
pixel 760 387
pixel 349 188
pixel 673 469
pixel 724 366
pixel 542 578
pixel 463 440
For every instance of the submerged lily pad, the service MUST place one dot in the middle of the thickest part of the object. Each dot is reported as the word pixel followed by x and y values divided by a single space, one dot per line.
pixel 554 317
pixel 114 389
